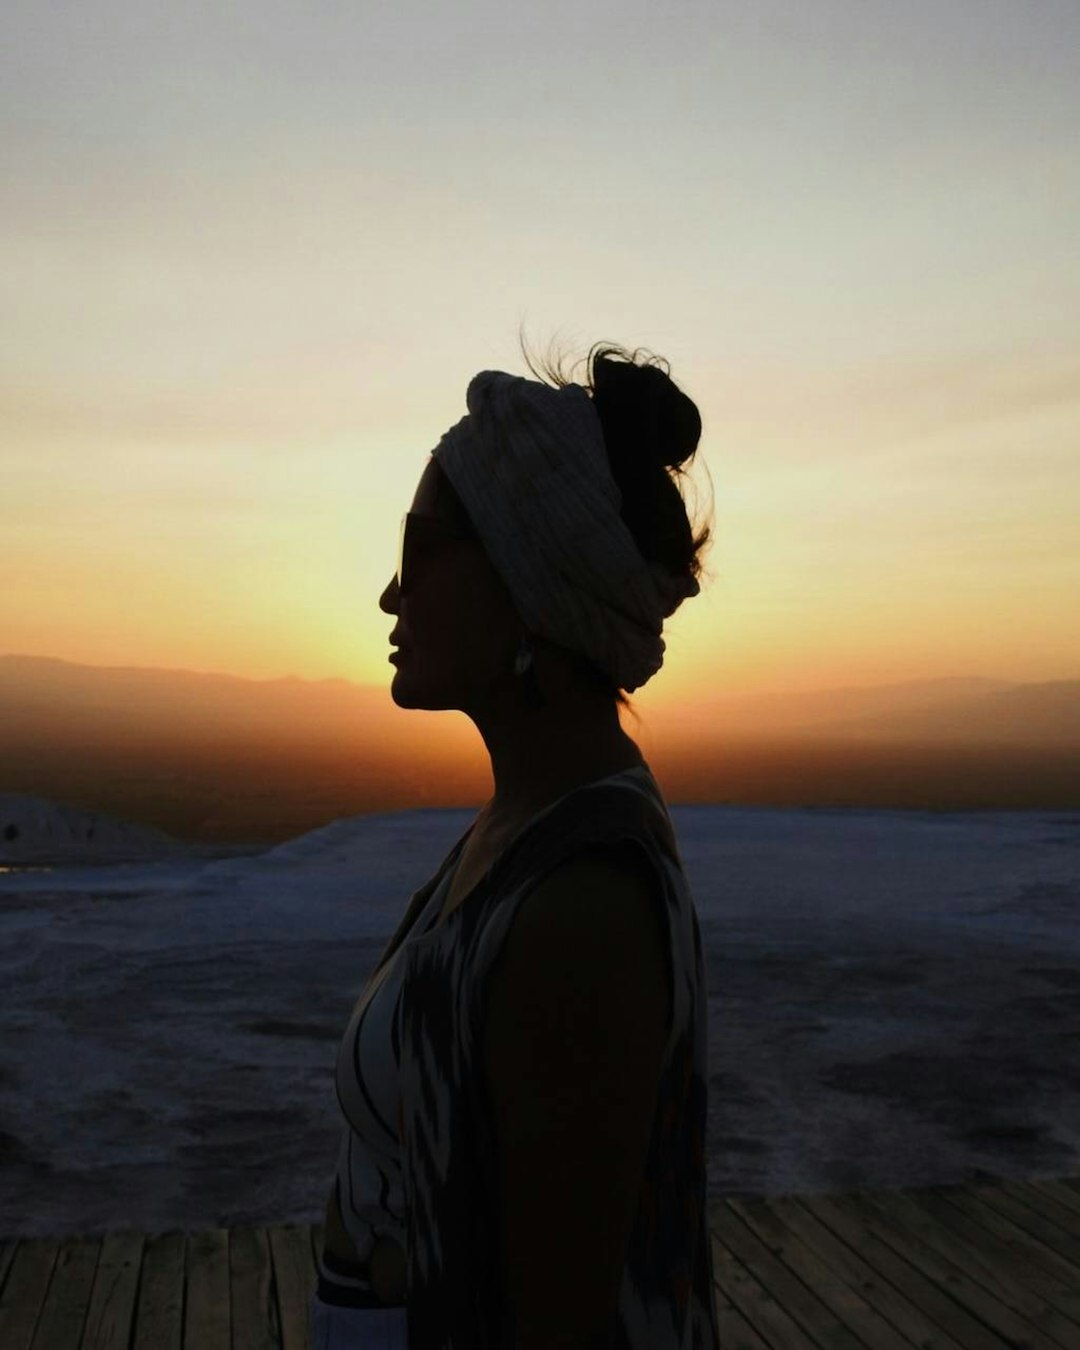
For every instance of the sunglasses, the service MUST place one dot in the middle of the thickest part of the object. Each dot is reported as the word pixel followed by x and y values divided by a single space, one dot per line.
pixel 419 533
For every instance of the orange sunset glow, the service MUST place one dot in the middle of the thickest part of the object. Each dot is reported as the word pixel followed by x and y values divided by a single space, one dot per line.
pixel 252 260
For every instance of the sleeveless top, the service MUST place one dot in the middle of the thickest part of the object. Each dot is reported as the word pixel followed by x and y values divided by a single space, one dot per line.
pixel 417 1153
pixel 368 1183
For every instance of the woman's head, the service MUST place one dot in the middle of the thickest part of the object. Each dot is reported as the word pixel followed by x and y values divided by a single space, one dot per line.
pixel 456 618
pixel 649 429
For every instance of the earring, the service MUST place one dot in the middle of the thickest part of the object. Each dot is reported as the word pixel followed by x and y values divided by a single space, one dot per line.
pixel 524 659
pixel 526 672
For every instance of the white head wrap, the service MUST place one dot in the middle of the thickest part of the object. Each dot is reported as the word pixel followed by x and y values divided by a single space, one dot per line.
pixel 529 466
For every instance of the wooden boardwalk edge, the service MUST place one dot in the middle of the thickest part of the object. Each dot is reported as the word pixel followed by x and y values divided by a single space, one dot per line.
pixel 988 1266
pixel 246 1287
pixel 991 1266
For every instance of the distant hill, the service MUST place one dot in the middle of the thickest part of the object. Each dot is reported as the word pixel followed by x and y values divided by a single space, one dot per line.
pixel 961 710
pixel 55 701
pixel 32 829
pixel 818 709
pixel 219 758
pixel 61 701
pixel 1026 714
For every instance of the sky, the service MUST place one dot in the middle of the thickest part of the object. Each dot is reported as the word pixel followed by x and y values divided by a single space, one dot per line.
pixel 251 254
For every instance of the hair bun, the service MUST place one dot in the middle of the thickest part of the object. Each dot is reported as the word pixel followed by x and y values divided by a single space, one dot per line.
pixel 648 421
pixel 649 427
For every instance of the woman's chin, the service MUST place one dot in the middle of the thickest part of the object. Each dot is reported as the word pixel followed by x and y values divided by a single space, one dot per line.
pixel 405 696
pixel 402 692
pixel 399 690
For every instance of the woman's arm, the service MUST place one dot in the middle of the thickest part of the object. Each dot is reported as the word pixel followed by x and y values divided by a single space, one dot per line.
pixel 574 1040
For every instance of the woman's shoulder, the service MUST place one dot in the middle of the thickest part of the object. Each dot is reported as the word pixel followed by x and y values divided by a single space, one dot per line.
pixel 592 923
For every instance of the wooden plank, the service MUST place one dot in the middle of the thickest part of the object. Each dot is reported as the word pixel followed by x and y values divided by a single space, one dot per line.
pixel 318 1234
pixel 63 1314
pixel 897 1309
pixel 1055 1237
pixel 948 1266
pixel 861 1231
pixel 24 1291
pixel 207 1311
pixel 838 1289
pixel 7 1255
pixel 728 1316
pixel 254 1306
pixel 980 1267
pixel 1028 1277
pixel 111 1313
pixel 736 1333
pixel 294 1280
pixel 1055 1190
pixel 159 1310
pixel 819 1323
pixel 754 1303
pixel 958 1269
pixel 1052 1278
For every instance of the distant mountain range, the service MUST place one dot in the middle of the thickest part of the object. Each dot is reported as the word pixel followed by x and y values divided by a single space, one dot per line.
pixel 55 702
pixel 954 710
pixel 221 759
pixel 62 700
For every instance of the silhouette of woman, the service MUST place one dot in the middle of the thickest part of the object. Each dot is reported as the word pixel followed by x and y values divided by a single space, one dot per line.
pixel 523 1079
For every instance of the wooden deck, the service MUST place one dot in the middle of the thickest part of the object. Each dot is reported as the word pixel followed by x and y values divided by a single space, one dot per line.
pixel 988 1267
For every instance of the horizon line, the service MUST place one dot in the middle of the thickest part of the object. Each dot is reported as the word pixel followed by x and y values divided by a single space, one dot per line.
pixel 359 684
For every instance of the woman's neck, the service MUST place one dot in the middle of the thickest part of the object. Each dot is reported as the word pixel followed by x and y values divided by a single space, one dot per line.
pixel 509 811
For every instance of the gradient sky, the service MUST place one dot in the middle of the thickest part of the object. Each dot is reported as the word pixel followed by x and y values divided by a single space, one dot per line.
pixel 252 253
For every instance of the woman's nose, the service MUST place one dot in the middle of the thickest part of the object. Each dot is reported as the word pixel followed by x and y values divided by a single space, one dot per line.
pixel 389 598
